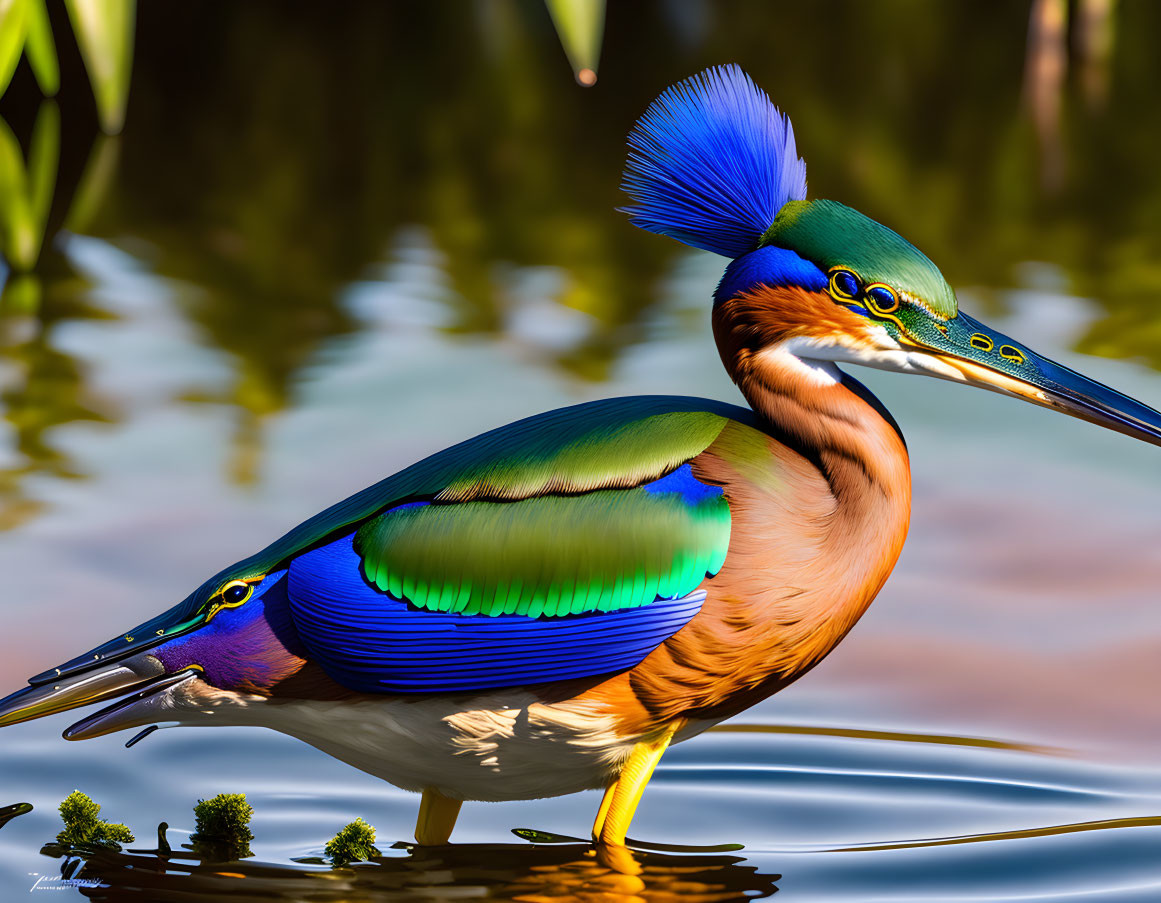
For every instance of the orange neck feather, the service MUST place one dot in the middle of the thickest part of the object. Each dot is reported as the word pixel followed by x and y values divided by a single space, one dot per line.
pixel 830 416
pixel 820 502
pixel 819 520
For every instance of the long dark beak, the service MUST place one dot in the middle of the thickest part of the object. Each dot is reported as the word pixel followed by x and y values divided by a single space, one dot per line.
pixel 96 685
pixel 152 703
pixel 984 357
pixel 119 666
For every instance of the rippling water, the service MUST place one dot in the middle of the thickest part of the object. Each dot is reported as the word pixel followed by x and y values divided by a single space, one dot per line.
pixel 841 788
pixel 297 281
pixel 819 815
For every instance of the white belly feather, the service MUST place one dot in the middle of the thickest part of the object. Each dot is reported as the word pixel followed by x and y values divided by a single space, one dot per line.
pixel 504 745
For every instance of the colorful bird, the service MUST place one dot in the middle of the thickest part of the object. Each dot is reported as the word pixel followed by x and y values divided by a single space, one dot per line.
pixel 546 607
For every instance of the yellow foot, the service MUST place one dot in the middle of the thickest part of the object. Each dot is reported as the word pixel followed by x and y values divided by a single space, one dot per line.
pixel 623 862
pixel 437 817
pixel 603 811
pixel 622 797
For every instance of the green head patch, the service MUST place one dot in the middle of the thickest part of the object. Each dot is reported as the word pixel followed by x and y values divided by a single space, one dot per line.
pixel 830 234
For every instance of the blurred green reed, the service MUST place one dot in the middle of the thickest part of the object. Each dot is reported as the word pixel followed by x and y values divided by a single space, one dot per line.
pixel 277 155
pixel 104 31
pixel 27 189
pixel 580 25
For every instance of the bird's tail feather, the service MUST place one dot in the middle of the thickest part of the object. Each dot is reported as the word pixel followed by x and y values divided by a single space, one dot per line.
pixel 711 163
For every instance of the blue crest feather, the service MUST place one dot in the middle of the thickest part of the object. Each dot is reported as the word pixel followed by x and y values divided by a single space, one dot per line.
pixel 711 163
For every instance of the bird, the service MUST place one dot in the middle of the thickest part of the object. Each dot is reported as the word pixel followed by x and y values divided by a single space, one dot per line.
pixel 546 607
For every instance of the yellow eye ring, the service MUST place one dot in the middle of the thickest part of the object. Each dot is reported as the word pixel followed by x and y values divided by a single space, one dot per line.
pixel 881 297
pixel 236 592
pixel 982 342
pixel 844 285
pixel 232 595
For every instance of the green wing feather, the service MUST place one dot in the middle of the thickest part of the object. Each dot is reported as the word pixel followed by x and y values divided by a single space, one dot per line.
pixel 613 454
pixel 589 552
pixel 611 443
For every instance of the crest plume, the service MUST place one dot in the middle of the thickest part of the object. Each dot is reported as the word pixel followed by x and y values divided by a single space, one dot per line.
pixel 711 163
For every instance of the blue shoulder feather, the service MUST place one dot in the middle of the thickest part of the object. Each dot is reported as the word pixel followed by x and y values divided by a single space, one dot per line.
pixel 711 163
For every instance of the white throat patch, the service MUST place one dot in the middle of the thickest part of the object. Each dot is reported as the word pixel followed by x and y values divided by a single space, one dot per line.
pixel 882 353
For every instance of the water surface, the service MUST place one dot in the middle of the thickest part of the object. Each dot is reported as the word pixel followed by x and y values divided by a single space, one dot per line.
pixel 317 257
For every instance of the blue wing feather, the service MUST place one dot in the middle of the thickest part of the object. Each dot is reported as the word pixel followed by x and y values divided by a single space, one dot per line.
pixel 682 482
pixel 372 642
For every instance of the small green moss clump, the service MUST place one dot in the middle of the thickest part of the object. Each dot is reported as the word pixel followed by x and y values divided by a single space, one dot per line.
pixel 222 829
pixel 83 824
pixel 355 843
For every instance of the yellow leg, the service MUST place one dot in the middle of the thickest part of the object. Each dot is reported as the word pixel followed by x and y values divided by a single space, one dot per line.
pixel 603 811
pixel 626 793
pixel 437 817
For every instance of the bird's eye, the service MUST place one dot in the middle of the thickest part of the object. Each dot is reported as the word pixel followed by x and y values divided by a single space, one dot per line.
pixel 236 592
pixel 844 284
pixel 882 298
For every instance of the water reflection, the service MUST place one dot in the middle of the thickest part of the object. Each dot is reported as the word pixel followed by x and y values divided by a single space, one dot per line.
pixel 287 164
pixel 301 183
pixel 46 388
pixel 802 730
pixel 1104 824
pixel 495 871
pixel 825 813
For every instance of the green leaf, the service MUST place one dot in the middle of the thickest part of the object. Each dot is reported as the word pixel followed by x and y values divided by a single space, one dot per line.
pixel 20 244
pixel 580 25
pixel 532 835
pixel 104 30
pixel 13 25
pixel 39 47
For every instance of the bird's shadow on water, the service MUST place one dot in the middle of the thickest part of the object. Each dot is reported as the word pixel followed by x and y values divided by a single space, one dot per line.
pixel 577 871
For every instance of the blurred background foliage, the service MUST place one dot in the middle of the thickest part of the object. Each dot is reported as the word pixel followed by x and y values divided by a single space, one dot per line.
pixel 104 33
pixel 276 153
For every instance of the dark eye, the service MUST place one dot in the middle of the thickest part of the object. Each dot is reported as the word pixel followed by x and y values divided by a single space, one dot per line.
pixel 844 284
pixel 882 298
pixel 235 592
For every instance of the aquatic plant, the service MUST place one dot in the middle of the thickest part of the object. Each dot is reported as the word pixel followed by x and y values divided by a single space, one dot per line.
pixel 83 824
pixel 24 28
pixel 580 24
pixel 354 843
pixel 222 827
pixel 104 31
